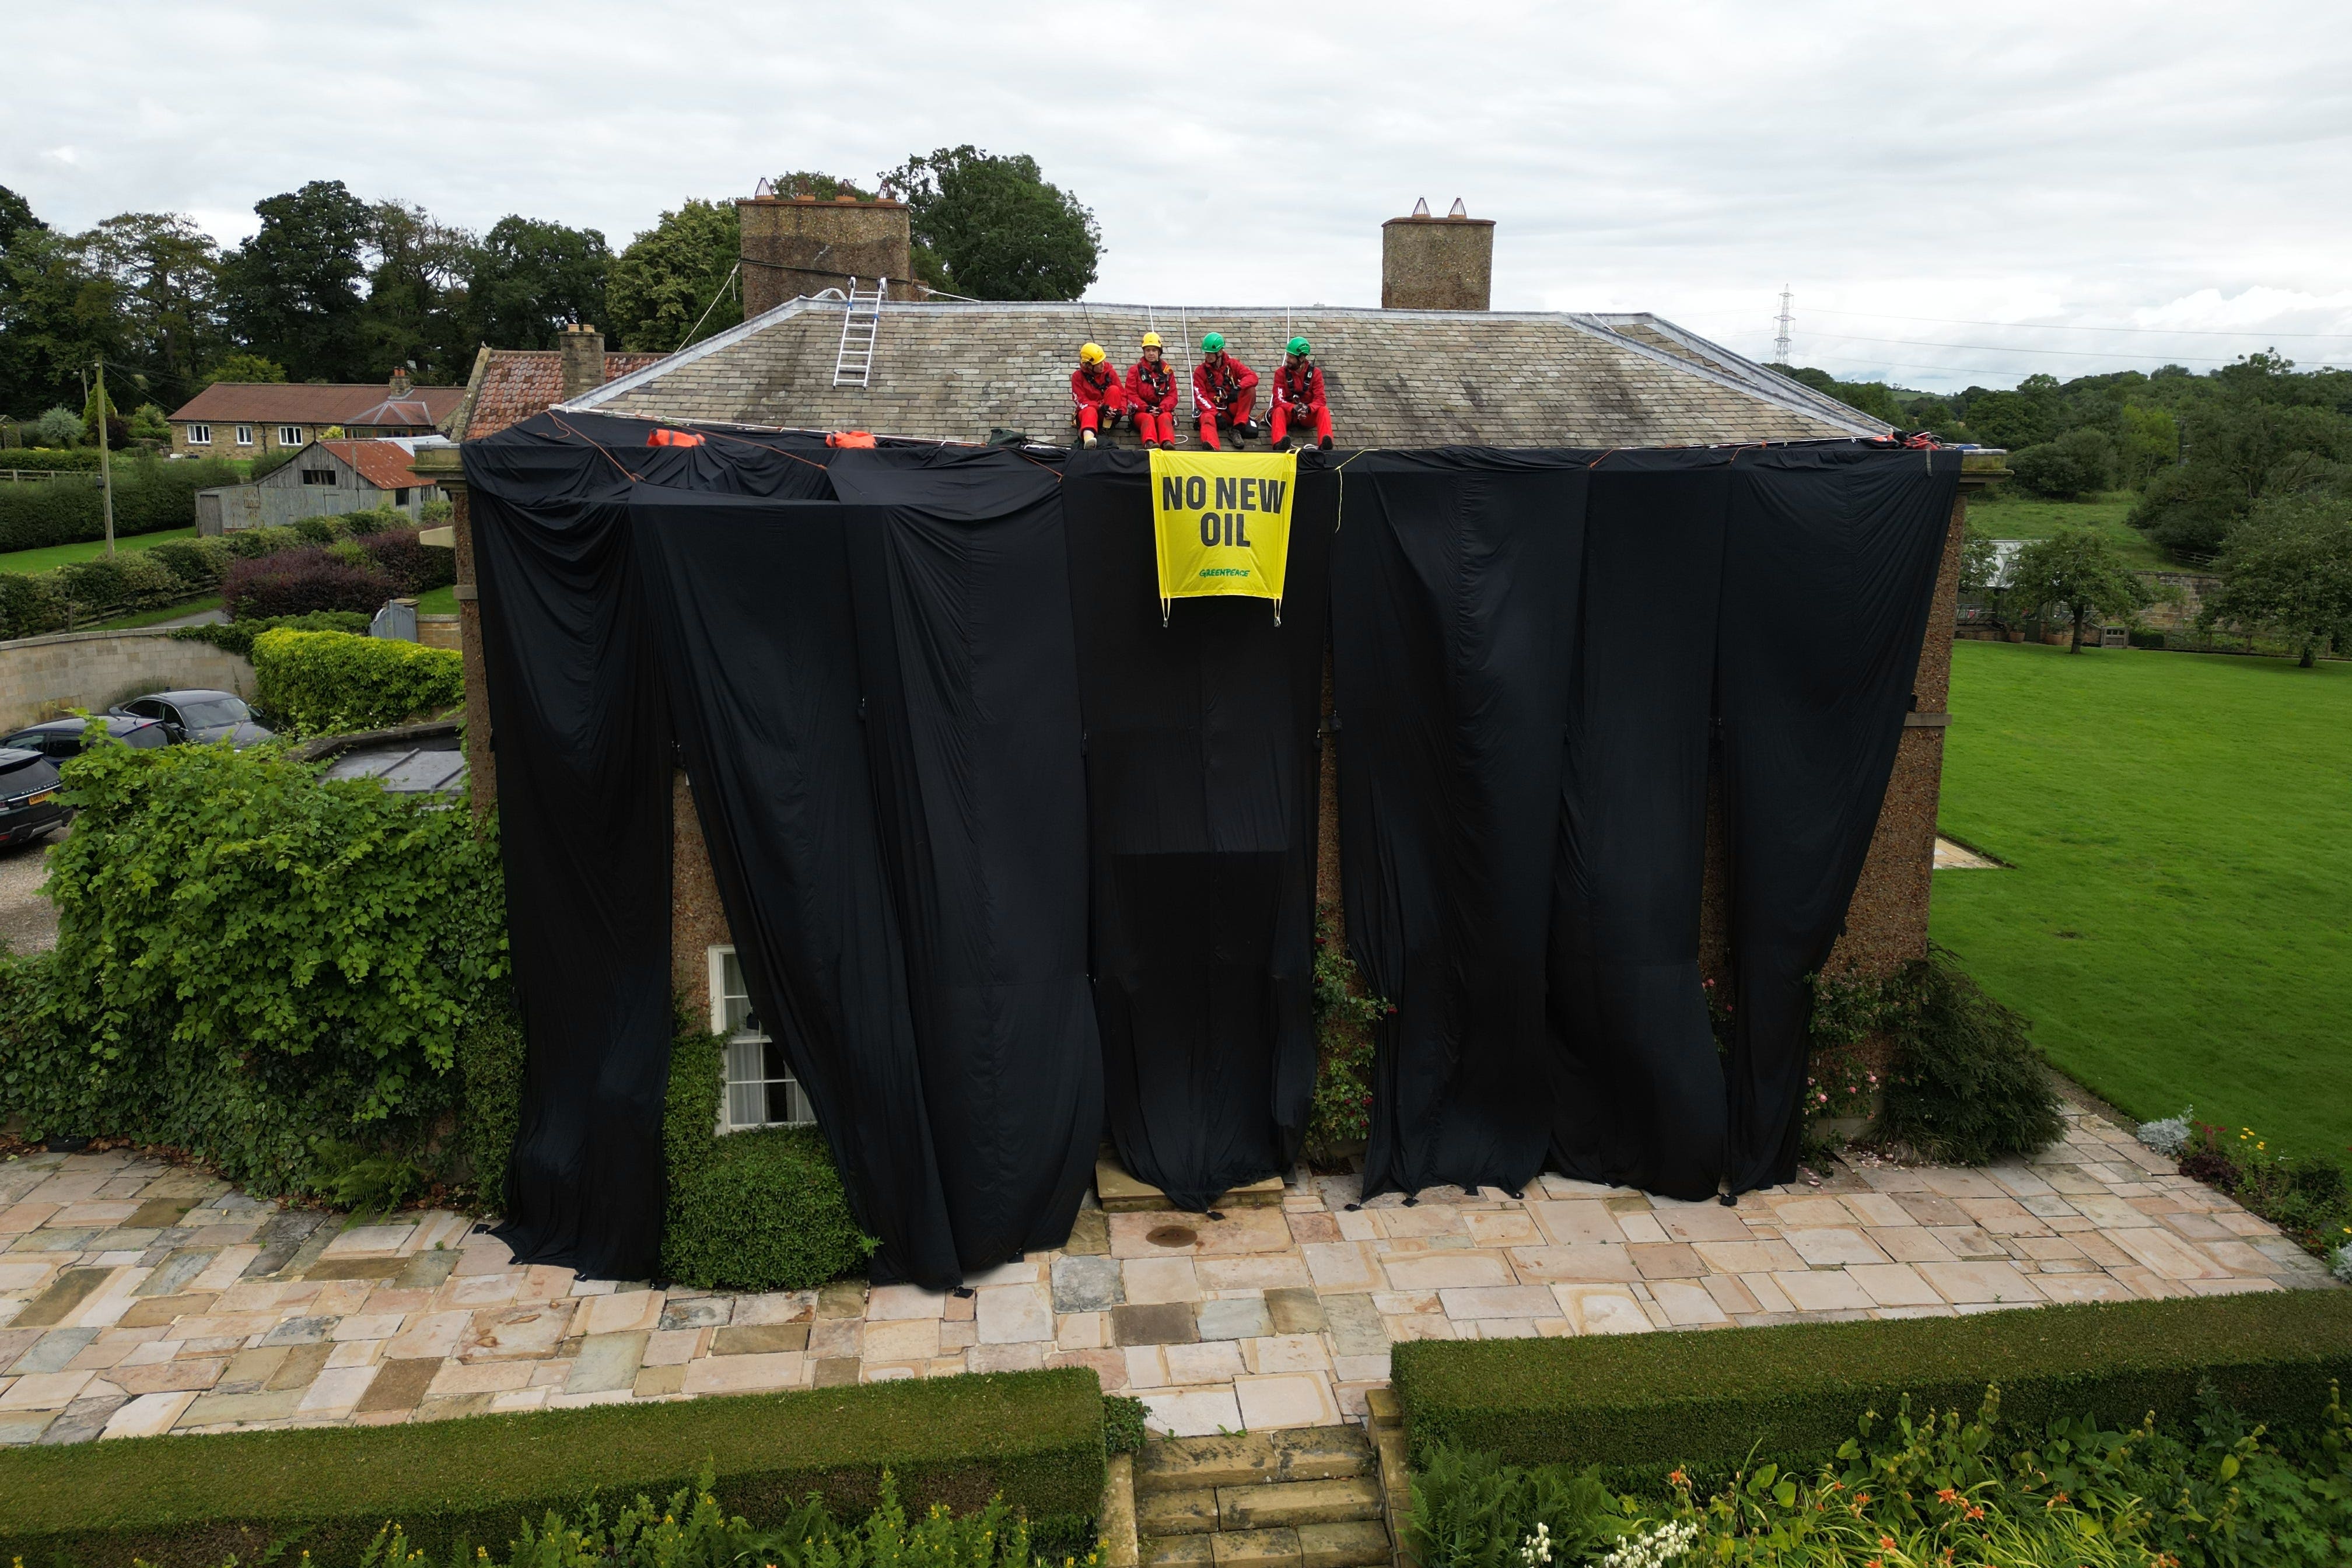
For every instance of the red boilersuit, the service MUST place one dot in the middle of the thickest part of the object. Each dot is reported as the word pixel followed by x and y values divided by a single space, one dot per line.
pixel 1298 395
pixel 1152 396
pixel 1096 390
pixel 1223 391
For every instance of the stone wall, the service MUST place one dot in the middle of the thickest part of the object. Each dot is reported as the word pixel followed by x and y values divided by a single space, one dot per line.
pixel 1436 263
pixel 45 678
pixel 794 247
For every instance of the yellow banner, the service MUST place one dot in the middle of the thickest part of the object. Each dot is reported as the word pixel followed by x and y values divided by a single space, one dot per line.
pixel 1222 523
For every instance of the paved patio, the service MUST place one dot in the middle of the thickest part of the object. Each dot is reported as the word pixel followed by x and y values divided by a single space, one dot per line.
pixel 140 1297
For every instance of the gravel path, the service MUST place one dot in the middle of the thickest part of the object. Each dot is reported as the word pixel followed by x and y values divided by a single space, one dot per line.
pixel 28 923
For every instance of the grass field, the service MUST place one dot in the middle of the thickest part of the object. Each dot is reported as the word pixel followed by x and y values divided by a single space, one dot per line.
pixel 2002 514
pixel 2178 923
pixel 137 618
pixel 438 602
pixel 56 555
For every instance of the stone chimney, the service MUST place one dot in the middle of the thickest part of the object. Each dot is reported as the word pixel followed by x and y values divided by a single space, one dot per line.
pixel 798 245
pixel 582 348
pixel 400 385
pixel 1436 263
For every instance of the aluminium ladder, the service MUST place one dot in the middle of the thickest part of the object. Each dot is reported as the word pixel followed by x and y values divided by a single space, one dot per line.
pixel 861 323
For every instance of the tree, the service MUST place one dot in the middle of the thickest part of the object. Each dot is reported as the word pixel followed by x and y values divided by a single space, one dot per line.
pixel 58 314
pixel 415 311
pixel 821 187
pixel 148 423
pixel 2240 447
pixel 2075 464
pixel 60 426
pixel 166 273
pixel 991 227
pixel 2288 571
pixel 16 214
pixel 2077 570
pixel 2150 442
pixel 246 368
pixel 528 279
pixel 292 292
pixel 662 286
pixel 2009 419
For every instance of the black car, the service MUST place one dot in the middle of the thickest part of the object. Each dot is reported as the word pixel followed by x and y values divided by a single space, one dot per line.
pixel 28 795
pixel 197 717
pixel 60 738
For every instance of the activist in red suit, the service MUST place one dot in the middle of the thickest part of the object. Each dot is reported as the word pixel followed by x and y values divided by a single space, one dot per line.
pixel 1299 397
pixel 1095 389
pixel 1151 395
pixel 1223 389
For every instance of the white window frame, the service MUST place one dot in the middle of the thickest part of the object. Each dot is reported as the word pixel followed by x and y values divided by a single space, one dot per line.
pixel 245 435
pixel 745 1048
pixel 289 434
pixel 200 434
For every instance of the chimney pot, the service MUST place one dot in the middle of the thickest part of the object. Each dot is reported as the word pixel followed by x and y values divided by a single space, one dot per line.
pixel 1458 209
pixel 1421 207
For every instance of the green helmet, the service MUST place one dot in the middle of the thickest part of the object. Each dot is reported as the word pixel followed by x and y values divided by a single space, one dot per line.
pixel 1212 343
pixel 1301 346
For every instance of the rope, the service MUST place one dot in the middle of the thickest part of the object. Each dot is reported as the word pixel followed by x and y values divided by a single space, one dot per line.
pixel 592 440
pixel 731 274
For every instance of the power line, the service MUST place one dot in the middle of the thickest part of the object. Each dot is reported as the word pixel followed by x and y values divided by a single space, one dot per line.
pixel 2062 327
pixel 2020 349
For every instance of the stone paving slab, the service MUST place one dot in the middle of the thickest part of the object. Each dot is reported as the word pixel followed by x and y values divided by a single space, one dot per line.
pixel 220 1311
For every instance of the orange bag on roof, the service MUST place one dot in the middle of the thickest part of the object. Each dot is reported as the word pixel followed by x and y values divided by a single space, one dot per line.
pixel 673 438
pixel 850 438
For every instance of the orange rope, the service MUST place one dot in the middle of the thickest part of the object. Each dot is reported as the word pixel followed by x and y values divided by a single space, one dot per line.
pixel 616 462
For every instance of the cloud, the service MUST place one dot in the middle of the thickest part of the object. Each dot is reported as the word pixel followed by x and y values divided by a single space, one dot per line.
pixel 2092 165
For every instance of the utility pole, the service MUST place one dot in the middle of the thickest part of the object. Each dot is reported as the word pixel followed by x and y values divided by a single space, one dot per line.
pixel 1780 344
pixel 105 464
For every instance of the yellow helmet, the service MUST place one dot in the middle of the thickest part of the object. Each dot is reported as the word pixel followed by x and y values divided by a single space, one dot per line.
pixel 1152 339
pixel 1091 354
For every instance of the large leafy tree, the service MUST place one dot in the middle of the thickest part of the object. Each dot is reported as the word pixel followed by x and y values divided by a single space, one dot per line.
pixel 59 314
pixel 675 284
pixel 2250 435
pixel 416 313
pixel 15 213
pixel 991 227
pixel 2288 570
pixel 166 273
pixel 2076 571
pixel 292 293
pixel 528 279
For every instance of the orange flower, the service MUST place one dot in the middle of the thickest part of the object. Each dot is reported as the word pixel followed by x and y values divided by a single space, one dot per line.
pixel 1948 1495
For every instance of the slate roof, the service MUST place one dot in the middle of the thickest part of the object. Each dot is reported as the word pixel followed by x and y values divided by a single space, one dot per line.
pixel 510 386
pixel 1396 378
pixel 305 403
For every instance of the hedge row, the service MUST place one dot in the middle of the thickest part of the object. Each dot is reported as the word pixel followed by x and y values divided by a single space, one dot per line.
pixel 53 459
pixel 1035 1439
pixel 336 683
pixel 148 495
pixel 1640 1401
pixel 370 557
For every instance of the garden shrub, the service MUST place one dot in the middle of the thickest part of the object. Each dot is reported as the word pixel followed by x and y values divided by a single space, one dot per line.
pixel 489 1107
pixel 29 604
pixel 251 959
pixel 1965 1085
pixel 198 565
pixel 433 513
pixel 51 459
pixel 2308 1197
pixel 1907 1489
pixel 758 1210
pixel 238 636
pixel 1034 1438
pixel 126 580
pixel 1123 1429
pixel 251 544
pixel 1344 1016
pixel 414 566
pixel 148 495
pixel 374 520
pixel 316 530
pixel 333 683
pixel 293 582
pixel 1641 1401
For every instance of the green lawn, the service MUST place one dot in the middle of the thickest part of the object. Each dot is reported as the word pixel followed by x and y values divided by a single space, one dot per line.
pixel 2003 513
pixel 55 555
pixel 152 617
pixel 2178 920
pixel 438 602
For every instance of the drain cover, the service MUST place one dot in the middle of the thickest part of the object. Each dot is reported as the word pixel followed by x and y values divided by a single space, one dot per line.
pixel 1171 1236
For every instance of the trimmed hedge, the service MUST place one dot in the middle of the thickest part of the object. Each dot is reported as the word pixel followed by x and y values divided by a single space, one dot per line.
pixel 148 495
pixel 52 460
pixel 1640 1401
pixel 238 636
pixel 329 683
pixel 1034 1437
pixel 764 1211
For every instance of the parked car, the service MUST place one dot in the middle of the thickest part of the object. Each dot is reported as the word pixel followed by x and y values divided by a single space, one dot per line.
pixel 60 738
pixel 197 717
pixel 29 805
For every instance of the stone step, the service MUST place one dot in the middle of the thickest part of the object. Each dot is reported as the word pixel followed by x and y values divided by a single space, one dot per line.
pixel 1342 1500
pixel 1251 1458
pixel 1350 1543
pixel 1180 1551
pixel 1176 1513
pixel 1257 1548
pixel 1120 1193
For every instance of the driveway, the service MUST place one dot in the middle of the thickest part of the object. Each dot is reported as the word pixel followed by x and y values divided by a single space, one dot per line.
pixel 28 923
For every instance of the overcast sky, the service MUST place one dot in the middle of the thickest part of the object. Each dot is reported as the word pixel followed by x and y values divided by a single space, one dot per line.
pixel 1923 182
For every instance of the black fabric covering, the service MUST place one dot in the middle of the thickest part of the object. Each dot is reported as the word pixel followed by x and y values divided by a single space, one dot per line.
pixel 583 763
pixel 1200 792
pixel 1812 705
pixel 1455 593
